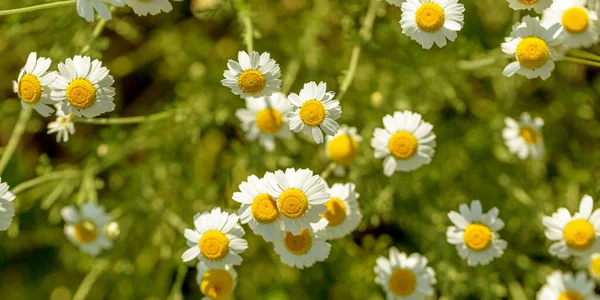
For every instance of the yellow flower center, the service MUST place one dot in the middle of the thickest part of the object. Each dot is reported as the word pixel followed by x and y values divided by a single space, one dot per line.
pixel 579 234
pixel 264 209
pixel 575 20
pixel 268 120
pixel 216 284
pixel 342 149
pixel 85 232
pixel 252 81
pixel 298 244
pixel 532 52
pixel 312 113
pixel 570 295
pixel 530 135
pixel 430 17
pixel 403 282
pixel 214 245
pixel 292 203
pixel 528 2
pixel 81 93
pixel 595 266
pixel 403 145
pixel 30 89
pixel 477 237
pixel 336 211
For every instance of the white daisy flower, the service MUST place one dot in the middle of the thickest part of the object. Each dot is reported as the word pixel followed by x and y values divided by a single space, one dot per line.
pixel 84 87
pixel 7 208
pixel 343 213
pixel 533 47
pixel 579 25
pixel 524 137
pixel 594 265
pixel 343 148
pixel 432 21
pixel 303 249
pixel 404 277
pixel 578 235
pixel 85 8
pixel 153 7
pixel 265 118
pixel 216 240
pixel 259 209
pixel 33 85
pixel 216 283
pixel 537 5
pixel 253 76
pixel 315 110
pixel 406 142
pixel 63 126
pixel 84 227
pixel 567 286
pixel 300 197
pixel 475 234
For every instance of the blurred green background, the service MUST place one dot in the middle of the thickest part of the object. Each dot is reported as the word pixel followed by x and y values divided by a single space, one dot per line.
pixel 149 174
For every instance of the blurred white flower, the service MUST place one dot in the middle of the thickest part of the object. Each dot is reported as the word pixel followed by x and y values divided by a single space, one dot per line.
pixel 579 25
pixel 33 84
pixel 85 8
pixel 216 283
pixel 84 227
pixel 538 5
pixel 252 75
pixel 303 249
pixel 432 21
pixel 343 148
pixel 524 137
pixel 145 7
pixel 567 286
pixel 343 213
pixel 7 208
pixel 404 277
pixel 63 126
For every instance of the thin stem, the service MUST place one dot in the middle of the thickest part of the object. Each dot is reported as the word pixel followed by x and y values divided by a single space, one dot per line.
pixel 36 7
pixel 584 55
pixel 246 19
pixel 89 280
pixel 95 34
pixel 45 178
pixel 15 137
pixel 325 174
pixel 290 76
pixel 127 120
pixel 582 61
pixel 175 293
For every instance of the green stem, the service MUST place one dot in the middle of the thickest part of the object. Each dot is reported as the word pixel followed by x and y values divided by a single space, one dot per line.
pixel 582 61
pixel 127 120
pixel 175 293
pixel 89 280
pixel 36 7
pixel 325 174
pixel 584 55
pixel 290 76
pixel 45 178
pixel 15 137
pixel 246 19
pixel 95 34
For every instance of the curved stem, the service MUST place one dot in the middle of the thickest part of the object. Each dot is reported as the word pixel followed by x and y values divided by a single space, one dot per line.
pixel 127 120
pixel 175 293
pixel 245 18
pixel 15 137
pixel 325 174
pixel 89 280
pixel 582 61
pixel 584 55
pixel 36 7
pixel 95 34
pixel 45 178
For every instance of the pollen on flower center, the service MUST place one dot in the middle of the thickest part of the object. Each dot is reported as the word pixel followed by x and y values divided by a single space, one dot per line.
pixel 579 234
pixel 528 2
pixel 81 93
pixel 30 89
pixel 342 149
pixel 477 237
pixel 312 113
pixel 214 245
pixel 336 211
pixel 430 17
pixel 252 81
pixel 529 134
pixel 85 232
pixel 268 120
pixel 292 203
pixel 570 295
pixel 298 244
pixel 216 284
pixel 402 282
pixel 575 20
pixel 264 209
pixel 403 145
pixel 532 52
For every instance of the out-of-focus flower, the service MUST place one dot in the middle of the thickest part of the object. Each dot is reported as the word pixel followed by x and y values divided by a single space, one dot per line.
pixel 561 286
pixel 7 209
pixel 524 137
pixel 84 227
pixel 343 148
pixel 302 250
pixel 63 126
pixel 153 7
pixel 85 8
pixel 404 277
pixel 216 283
pixel 537 5
pixel 33 85
pixel 579 25
pixel 343 213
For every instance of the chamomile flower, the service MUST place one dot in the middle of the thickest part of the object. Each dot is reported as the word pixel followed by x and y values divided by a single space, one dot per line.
pixel 579 25
pixel 538 5
pixel 406 142
pixel 300 197
pixel 315 111
pixel 577 235
pixel 216 283
pixel 33 85
pixel 7 209
pixel 404 277
pixel 475 234
pixel 561 286
pixel 594 266
pixel 84 227
pixel 343 214
pixel 524 137
pixel 259 209
pixel 84 87
pixel 343 148
pixel 216 240
pixel 63 126
pixel 85 8
pixel 432 21
pixel 303 249
pixel 265 119
pixel 153 7
pixel 252 75
pixel 533 47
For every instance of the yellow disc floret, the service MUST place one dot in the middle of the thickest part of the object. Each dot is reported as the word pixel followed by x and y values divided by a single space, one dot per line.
pixel 532 52
pixel 312 113
pixel 594 266
pixel 403 282
pixel 216 284
pixel 477 237
pixel 268 120
pixel 575 20
pixel 81 93
pixel 214 245
pixel 292 203
pixel 579 234
pixel 430 17
pixel 264 209
pixel 252 81
pixel 530 135
pixel 85 232
pixel 336 211
pixel 403 145
pixel 298 244
pixel 570 295
pixel 30 89
pixel 342 149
